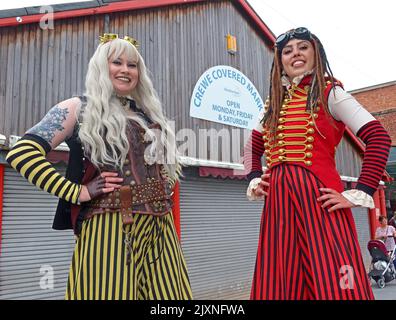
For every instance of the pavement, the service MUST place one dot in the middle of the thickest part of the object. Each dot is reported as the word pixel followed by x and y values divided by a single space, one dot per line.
pixel 387 293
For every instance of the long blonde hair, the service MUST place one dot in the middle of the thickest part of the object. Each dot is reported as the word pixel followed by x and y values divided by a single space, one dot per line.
pixel 103 131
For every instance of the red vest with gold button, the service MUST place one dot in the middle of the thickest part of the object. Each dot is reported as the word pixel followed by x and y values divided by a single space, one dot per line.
pixel 304 141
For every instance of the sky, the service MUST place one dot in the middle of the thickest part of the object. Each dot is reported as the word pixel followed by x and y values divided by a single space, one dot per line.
pixel 358 35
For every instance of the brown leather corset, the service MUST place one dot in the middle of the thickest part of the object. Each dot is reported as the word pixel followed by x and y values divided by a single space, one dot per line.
pixel 145 189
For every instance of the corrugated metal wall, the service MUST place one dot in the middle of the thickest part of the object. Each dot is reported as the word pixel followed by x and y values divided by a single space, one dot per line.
pixel 42 67
pixel 219 235
pixel 362 223
pixel 348 159
pixel 220 230
pixel 30 250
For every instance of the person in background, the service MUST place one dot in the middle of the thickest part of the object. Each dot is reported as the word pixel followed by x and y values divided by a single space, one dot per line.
pixel 386 233
pixel 392 221
pixel 116 194
pixel 308 246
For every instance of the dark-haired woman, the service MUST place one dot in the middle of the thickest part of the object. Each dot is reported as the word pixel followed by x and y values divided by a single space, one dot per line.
pixel 308 246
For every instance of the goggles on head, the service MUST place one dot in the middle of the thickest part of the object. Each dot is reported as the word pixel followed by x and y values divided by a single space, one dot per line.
pixel 298 33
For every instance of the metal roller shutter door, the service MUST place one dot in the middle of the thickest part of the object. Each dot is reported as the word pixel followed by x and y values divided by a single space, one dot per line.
pixel 219 235
pixel 29 242
pixel 219 230
pixel 362 223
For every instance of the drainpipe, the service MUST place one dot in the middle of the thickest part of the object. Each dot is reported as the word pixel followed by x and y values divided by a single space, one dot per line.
pixel 1 200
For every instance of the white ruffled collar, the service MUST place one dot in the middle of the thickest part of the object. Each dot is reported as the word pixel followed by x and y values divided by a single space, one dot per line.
pixel 296 80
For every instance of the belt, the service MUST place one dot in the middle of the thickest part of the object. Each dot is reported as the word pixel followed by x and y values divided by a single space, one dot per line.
pixel 152 198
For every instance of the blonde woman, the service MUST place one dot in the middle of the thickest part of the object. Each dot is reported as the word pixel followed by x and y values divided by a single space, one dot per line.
pixel 117 191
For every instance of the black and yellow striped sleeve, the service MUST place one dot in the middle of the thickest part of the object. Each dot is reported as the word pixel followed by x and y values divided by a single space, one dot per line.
pixel 28 158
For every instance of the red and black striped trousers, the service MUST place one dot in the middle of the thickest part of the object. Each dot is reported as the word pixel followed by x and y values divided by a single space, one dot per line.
pixel 304 251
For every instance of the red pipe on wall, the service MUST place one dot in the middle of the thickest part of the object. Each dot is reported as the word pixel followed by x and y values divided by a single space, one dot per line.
pixel 381 195
pixel 176 208
pixel 131 5
pixel 111 7
pixel 374 214
pixel 1 200
pixel 372 222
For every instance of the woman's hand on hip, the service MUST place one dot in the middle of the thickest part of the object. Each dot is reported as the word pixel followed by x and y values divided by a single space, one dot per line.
pixel 104 183
pixel 262 187
pixel 334 199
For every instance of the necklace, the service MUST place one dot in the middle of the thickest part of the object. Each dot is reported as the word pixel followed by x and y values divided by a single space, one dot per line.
pixel 124 102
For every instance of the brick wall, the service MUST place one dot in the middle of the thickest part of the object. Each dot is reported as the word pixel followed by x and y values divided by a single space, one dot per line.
pixel 378 99
pixel 388 120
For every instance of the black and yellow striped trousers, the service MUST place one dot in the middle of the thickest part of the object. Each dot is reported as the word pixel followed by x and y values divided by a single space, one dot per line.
pixel 143 260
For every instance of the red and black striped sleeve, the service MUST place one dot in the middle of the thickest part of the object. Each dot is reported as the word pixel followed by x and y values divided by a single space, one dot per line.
pixel 252 154
pixel 378 143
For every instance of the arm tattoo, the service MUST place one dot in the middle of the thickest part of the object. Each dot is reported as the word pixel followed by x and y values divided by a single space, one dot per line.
pixel 51 122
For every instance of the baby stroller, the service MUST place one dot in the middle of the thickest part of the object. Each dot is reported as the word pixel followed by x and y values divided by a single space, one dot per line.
pixel 382 269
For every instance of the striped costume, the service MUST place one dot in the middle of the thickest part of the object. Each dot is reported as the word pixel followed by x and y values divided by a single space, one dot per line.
pixel 304 251
pixel 133 255
pixel 99 269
